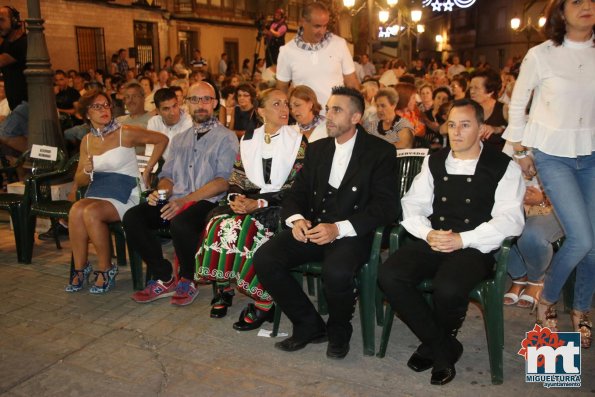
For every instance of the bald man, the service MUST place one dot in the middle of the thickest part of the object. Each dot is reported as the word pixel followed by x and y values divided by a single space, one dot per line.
pixel 195 178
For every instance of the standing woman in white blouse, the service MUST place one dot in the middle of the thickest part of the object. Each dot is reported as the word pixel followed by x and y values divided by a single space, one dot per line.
pixel 561 131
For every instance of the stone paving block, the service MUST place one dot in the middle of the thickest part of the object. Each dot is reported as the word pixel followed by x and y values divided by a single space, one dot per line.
pixel 67 380
pixel 17 365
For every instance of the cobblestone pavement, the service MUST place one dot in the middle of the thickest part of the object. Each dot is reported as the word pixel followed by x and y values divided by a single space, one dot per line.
pixel 58 344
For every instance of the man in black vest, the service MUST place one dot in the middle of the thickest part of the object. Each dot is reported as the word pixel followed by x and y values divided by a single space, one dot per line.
pixel 465 201
pixel 347 187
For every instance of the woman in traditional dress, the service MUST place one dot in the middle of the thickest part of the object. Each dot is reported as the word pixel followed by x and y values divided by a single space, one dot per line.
pixel 268 162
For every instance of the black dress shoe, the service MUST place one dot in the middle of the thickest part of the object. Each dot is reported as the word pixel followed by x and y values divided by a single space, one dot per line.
pixel 49 235
pixel 444 365
pixel 220 303
pixel 443 376
pixel 293 343
pixel 337 351
pixel 256 316
pixel 419 363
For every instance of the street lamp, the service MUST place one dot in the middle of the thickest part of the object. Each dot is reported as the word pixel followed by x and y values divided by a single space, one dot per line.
pixel 383 16
pixel 416 15
pixel 515 24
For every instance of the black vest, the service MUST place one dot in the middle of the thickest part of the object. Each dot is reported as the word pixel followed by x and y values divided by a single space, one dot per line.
pixel 328 212
pixel 463 202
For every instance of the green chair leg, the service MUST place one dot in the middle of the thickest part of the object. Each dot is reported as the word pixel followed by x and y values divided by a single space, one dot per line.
pixel 494 325
pixel 120 249
pixel 23 229
pixel 276 322
pixel 389 317
pixel 136 268
pixel 367 301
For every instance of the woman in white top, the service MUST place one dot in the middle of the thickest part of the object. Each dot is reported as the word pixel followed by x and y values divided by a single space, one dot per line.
pixel 108 165
pixel 305 109
pixel 561 131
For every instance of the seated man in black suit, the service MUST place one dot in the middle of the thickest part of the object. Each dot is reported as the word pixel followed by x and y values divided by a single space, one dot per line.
pixel 347 187
pixel 464 202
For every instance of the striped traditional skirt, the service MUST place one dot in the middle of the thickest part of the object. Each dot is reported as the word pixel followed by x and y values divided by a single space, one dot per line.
pixel 227 251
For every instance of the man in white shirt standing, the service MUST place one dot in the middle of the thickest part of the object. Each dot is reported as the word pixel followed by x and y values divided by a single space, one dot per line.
pixel 315 57
pixel 464 202
pixel 170 120
pixel 347 187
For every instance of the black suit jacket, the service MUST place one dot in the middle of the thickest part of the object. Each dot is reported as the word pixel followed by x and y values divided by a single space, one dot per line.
pixel 368 194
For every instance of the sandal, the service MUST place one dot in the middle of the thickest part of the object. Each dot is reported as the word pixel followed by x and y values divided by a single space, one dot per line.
pixel 581 323
pixel 80 276
pixel 530 301
pixel 546 315
pixel 109 280
pixel 510 298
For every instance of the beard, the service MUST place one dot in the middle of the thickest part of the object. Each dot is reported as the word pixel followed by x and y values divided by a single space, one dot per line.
pixel 200 116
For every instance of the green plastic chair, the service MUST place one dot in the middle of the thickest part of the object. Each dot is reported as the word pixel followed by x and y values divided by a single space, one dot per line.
pixel 18 205
pixel 366 281
pixel 488 294
pixel 409 164
pixel 42 203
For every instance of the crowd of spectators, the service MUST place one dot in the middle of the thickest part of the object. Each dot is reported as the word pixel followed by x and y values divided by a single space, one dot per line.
pixel 244 136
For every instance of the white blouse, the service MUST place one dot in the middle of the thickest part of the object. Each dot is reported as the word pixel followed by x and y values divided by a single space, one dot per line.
pixel 561 121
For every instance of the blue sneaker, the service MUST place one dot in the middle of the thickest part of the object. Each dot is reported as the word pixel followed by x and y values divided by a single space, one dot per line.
pixel 109 281
pixel 80 276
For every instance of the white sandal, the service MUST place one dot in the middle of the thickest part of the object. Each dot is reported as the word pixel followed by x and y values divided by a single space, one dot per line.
pixel 527 300
pixel 514 298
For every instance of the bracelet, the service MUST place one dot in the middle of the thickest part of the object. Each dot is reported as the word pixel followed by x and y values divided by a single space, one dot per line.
pixel 519 157
pixel 88 172
pixel 523 152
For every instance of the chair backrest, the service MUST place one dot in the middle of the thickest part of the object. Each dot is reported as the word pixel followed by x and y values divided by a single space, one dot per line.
pixel 409 163
pixel 42 191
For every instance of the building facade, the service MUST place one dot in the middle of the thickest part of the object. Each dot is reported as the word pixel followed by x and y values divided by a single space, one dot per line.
pixel 83 34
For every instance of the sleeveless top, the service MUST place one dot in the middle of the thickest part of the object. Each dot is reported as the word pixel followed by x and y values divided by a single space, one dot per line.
pixel 497 119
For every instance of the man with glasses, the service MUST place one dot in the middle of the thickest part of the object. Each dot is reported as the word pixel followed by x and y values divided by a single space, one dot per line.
pixel 315 57
pixel 195 178
pixel 134 100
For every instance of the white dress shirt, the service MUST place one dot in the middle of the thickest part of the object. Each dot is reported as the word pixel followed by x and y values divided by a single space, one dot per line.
pixel 341 160
pixel 508 218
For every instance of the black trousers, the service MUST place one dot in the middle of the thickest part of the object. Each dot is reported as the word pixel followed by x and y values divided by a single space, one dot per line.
pixel 453 274
pixel 340 261
pixel 186 231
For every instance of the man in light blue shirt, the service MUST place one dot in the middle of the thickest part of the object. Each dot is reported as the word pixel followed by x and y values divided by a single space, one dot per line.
pixel 194 178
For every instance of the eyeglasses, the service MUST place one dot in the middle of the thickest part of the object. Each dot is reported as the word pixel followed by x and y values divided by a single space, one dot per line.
pixel 199 99
pixel 99 106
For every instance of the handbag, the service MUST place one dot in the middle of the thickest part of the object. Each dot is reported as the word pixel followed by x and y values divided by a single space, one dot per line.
pixel 112 185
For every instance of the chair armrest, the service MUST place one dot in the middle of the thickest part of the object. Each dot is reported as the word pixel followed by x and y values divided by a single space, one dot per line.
pixel 502 262
pixel 376 246
pixel 397 235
